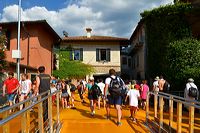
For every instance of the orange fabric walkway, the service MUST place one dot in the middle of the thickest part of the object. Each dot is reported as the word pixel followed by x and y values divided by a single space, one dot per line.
pixel 79 120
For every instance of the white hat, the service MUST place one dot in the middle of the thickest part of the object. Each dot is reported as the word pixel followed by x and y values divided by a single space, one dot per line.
pixel 91 78
pixel 190 80
pixel 157 78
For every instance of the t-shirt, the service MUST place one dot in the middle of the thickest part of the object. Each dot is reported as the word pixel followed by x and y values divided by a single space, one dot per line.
pixel 101 86
pixel 145 89
pixel 11 84
pixel 25 85
pixel 156 86
pixel 133 97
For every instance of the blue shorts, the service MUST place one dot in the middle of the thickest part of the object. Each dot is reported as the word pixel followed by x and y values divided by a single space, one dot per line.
pixel 114 100
pixel 10 97
pixel 91 97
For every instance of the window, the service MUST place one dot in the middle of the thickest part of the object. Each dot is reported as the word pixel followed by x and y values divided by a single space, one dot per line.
pixel 102 54
pixel 76 54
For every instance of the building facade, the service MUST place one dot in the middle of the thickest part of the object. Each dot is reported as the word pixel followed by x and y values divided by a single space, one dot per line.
pixel 37 40
pixel 138 52
pixel 102 52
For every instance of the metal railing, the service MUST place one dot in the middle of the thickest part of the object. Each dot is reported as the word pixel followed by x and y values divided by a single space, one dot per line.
pixel 192 104
pixel 25 113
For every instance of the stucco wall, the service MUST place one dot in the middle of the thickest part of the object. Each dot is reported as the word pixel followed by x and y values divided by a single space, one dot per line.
pixel 89 55
pixel 40 47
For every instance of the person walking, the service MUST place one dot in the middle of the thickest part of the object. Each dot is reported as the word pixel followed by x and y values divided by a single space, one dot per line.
pixel 24 89
pixel 43 85
pixel 80 88
pixel 191 91
pixel 10 86
pixel 101 86
pixel 114 85
pixel 144 90
pixel 155 84
pixel 161 83
pixel 93 94
pixel 134 96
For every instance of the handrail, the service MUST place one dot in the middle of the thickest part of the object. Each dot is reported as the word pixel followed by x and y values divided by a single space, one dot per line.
pixel 176 99
pixel 26 108
pixel 18 104
pixel 25 126
pixel 192 104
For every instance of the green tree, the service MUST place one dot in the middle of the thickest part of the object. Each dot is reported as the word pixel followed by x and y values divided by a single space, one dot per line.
pixel 164 25
pixel 2 53
pixel 71 69
pixel 184 61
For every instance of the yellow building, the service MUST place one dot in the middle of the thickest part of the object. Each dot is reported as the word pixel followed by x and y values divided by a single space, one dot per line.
pixel 102 52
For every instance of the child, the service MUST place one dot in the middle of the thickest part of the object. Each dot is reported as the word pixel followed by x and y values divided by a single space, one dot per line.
pixel 133 95
pixel 53 89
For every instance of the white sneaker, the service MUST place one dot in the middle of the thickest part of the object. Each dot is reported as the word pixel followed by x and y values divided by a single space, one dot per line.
pixel 92 114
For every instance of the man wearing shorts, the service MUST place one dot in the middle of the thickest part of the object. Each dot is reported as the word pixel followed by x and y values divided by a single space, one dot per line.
pixel 10 86
pixel 113 100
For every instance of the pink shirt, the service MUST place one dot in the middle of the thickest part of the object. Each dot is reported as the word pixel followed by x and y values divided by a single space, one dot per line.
pixel 145 89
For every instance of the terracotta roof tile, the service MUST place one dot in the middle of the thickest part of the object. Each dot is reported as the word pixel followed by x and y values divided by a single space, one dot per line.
pixel 94 38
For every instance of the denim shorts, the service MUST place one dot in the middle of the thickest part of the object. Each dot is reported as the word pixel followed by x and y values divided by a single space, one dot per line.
pixel 114 100
pixel 10 97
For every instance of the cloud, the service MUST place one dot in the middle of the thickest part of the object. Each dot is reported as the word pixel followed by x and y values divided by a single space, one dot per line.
pixel 110 17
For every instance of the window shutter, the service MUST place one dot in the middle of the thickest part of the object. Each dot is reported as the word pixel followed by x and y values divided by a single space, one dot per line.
pixel 81 54
pixel 97 54
pixel 108 54
pixel 70 54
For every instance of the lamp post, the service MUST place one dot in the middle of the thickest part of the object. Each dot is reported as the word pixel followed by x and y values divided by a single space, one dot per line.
pixel 18 41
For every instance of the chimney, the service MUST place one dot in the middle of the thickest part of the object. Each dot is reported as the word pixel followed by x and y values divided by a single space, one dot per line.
pixel 88 32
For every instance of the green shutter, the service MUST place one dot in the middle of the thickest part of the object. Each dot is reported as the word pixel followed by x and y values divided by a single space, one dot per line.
pixel 108 54
pixel 97 54
pixel 81 54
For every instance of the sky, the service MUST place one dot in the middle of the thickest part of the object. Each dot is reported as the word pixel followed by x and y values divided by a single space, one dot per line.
pixel 116 18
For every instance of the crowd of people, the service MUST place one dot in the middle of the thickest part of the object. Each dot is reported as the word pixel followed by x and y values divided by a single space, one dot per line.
pixel 114 91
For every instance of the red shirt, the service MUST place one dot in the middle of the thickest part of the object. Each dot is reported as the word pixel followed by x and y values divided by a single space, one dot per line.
pixel 11 84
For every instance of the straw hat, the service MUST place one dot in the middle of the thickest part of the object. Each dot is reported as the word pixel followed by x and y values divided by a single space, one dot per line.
pixel 190 80
pixel 157 78
pixel 91 78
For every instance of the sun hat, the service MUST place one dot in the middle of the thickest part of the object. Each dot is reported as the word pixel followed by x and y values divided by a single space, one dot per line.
pixel 190 80
pixel 157 78
pixel 91 78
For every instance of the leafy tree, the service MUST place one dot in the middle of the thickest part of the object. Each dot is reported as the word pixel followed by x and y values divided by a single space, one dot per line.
pixel 184 61
pixel 2 54
pixel 71 69
pixel 164 25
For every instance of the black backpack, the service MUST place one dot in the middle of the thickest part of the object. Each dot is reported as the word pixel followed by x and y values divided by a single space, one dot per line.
pixel 193 92
pixel 72 88
pixel 115 87
pixel 166 86
pixel 95 91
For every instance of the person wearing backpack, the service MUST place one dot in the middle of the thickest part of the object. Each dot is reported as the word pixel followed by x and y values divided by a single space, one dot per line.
pixel 191 91
pixel 93 94
pixel 114 85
